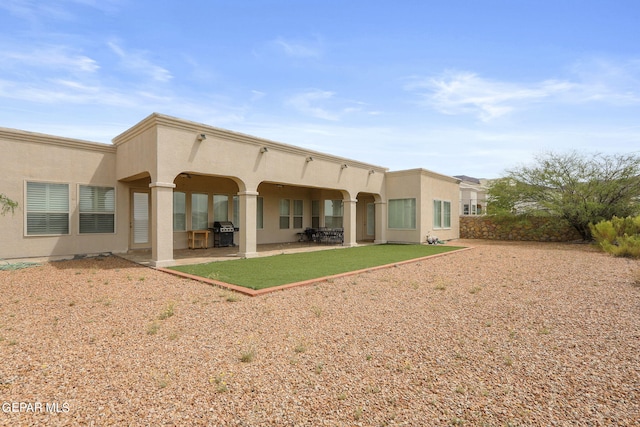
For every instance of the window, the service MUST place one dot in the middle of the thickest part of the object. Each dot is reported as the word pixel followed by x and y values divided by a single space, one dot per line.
pixel 220 207
pixel 260 213
pixel 47 208
pixel 298 209
pixel 333 213
pixel 179 211
pixel 315 213
pixel 284 213
pixel 446 214
pixel 199 211
pixel 441 214
pixel 97 209
pixel 437 214
pixel 140 224
pixel 402 213
pixel 371 219
pixel 236 211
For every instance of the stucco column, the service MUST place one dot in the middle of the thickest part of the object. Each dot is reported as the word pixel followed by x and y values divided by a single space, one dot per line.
pixel 349 222
pixel 162 224
pixel 248 223
pixel 381 223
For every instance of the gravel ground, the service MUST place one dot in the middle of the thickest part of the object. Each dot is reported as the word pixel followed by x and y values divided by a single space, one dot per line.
pixel 505 334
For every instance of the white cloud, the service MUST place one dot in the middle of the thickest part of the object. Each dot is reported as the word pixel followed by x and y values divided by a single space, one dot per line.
pixel 463 92
pixel 257 95
pixel 323 104
pixel 103 5
pixel 33 11
pixel 308 103
pixel 60 10
pixel 468 93
pixel 136 62
pixel 50 57
pixel 58 74
pixel 299 49
pixel 603 80
pixel 64 91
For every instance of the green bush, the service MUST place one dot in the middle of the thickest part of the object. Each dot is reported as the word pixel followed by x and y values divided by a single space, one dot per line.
pixel 604 233
pixel 619 236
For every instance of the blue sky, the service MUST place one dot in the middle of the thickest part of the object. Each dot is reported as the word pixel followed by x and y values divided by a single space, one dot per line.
pixel 459 87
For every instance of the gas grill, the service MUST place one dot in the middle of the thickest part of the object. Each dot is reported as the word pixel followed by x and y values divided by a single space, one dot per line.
pixel 223 234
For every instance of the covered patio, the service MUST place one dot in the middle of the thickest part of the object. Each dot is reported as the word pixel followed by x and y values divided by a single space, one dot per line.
pixel 199 256
pixel 267 191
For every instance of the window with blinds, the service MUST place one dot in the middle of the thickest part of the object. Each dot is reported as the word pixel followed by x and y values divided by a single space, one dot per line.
pixel 437 214
pixel 446 214
pixel 298 210
pixel 260 213
pixel 315 213
pixel 236 211
pixel 47 208
pixel 441 214
pixel 199 211
pixel 220 207
pixel 140 218
pixel 179 211
pixel 285 213
pixel 402 214
pixel 333 211
pixel 97 209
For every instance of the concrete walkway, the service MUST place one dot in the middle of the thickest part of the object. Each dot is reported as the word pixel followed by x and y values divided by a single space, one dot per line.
pixel 200 256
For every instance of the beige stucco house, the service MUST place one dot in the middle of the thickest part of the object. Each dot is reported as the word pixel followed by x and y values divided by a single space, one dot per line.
pixel 473 195
pixel 165 177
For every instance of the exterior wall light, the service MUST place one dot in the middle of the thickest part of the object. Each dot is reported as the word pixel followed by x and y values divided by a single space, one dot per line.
pixel 344 166
pixel 371 172
pixel 309 159
pixel 264 149
pixel 201 137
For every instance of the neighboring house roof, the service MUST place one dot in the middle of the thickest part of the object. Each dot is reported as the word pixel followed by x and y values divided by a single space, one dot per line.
pixel 466 178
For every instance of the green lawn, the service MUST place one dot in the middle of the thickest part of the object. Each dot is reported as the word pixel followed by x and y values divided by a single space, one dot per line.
pixel 266 272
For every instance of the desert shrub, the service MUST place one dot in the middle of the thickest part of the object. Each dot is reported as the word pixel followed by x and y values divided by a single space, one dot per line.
pixel 619 236
pixel 626 226
pixel 628 246
pixel 604 233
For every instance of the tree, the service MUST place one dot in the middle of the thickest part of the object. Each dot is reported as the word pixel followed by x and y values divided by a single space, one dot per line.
pixel 581 188
pixel 7 205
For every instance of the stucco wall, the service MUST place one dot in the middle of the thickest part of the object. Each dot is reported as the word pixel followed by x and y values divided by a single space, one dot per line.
pixel 446 189
pixel 541 229
pixel 425 186
pixel 158 155
pixel 42 158
pixel 235 155
pixel 405 185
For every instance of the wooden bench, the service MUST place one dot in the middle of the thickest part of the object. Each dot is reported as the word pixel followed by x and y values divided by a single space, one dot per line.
pixel 198 239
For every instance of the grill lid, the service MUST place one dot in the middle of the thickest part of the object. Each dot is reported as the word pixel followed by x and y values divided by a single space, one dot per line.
pixel 223 227
pixel 217 224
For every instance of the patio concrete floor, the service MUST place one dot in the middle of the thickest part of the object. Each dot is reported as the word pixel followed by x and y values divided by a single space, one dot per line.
pixel 200 256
